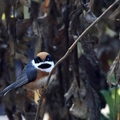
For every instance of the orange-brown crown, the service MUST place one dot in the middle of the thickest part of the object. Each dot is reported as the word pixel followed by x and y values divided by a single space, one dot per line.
pixel 42 55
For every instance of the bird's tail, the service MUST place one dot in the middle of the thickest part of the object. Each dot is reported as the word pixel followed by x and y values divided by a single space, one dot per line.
pixel 7 89
pixel 20 82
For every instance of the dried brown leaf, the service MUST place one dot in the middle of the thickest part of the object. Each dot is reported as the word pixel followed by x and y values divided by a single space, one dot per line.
pixel 25 2
pixel 115 13
pixel 2 7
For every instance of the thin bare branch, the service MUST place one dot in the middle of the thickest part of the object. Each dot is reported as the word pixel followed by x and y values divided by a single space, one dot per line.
pixel 79 38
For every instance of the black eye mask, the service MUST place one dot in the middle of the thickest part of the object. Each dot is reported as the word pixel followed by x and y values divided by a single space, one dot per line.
pixel 48 58
pixel 44 66
pixel 38 60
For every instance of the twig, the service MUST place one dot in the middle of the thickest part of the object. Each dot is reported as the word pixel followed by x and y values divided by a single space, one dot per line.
pixel 112 68
pixel 72 47
pixel 37 116
pixel 79 38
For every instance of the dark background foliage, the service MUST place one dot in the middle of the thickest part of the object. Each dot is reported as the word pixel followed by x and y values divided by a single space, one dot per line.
pixel 30 26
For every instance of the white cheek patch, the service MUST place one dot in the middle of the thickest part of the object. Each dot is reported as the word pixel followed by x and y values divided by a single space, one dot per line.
pixel 42 63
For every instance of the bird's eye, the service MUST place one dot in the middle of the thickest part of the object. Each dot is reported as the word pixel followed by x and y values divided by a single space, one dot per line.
pixel 48 58
pixel 37 60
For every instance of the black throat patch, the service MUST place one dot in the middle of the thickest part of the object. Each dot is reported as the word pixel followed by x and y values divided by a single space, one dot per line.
pixel 44 66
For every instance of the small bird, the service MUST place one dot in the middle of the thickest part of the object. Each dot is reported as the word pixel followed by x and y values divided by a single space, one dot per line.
pixel 35 74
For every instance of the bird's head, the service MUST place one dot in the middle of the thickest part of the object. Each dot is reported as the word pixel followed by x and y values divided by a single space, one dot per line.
pixel 43 61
